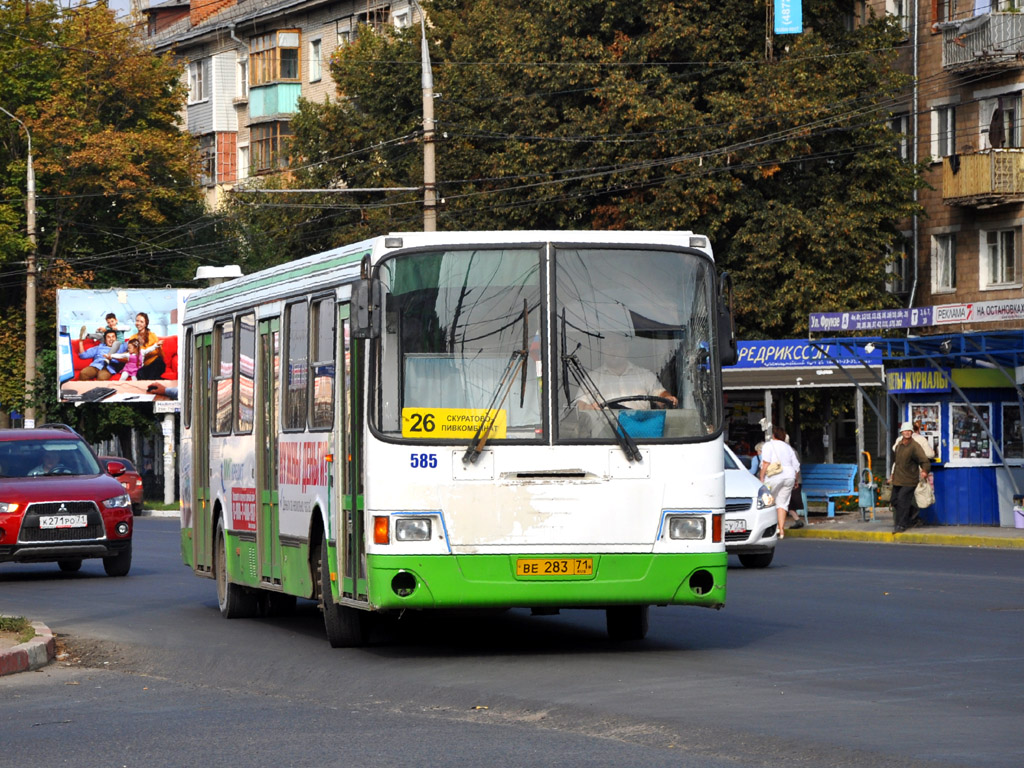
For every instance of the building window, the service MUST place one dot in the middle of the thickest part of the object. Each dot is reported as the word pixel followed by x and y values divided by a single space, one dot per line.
pixel 314 61
pixel 269 145
pixel 943 263
pixel 274 57
pixel 241 78
pixel 403 19
pixel 1000 121
pixel 900 124
pixel 243 162
pixel 999 258
pixel 198 80
pixel 897 270
pixel 943 131
pixel 208 159
pixel 900 9
pixel 945 10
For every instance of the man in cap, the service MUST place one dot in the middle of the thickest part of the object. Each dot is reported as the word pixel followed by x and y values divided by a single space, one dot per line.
pixel 909 465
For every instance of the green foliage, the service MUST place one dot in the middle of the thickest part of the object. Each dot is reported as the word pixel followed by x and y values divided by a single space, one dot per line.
pixel 662 114
pixel 19 626
pixel 116 199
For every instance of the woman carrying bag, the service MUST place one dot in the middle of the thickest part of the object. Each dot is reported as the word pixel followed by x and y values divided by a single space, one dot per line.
pixel 780 471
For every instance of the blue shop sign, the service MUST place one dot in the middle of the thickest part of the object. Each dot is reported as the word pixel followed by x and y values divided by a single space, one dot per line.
pixel 912 380
pixel 798 353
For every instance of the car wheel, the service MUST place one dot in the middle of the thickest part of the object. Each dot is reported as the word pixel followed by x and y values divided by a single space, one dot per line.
pixel 627 622
pixel 761 560
pixel 346 627
pixel 119 564
pixel 234 600
pixel 71 565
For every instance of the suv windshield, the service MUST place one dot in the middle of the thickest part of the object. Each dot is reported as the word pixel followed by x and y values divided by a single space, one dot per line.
pixel 35 458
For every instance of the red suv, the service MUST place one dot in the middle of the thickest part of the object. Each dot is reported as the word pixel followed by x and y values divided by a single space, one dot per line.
pixel 58 504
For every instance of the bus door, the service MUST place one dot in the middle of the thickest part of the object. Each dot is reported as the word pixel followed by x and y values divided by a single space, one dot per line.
pixel 268 528
pixel 351 546
pixel 202 387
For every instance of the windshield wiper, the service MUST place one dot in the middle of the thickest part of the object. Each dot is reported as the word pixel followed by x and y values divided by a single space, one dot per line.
pixel 476 445
pixel 572 363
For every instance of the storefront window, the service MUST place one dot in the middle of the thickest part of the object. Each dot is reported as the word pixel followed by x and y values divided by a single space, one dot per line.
pixel 969 437
pixel 925 416
pixel 1013 437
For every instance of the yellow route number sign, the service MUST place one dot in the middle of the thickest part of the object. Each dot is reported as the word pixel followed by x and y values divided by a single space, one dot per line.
pixel 445 423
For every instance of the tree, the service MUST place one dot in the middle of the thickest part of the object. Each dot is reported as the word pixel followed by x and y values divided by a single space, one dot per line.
pixel 117 199
pixel 662 114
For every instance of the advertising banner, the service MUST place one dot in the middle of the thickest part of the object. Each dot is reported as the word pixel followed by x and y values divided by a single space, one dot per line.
pixel 797 353
pixel 789 19
pixel 119 344
pixel 918 380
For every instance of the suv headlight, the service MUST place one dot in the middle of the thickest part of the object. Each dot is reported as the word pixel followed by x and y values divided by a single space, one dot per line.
pixel 8 507
pixel 764 498
pixel 124 500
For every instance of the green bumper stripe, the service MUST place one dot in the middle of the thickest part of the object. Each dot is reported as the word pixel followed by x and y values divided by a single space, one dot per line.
pixel 465 581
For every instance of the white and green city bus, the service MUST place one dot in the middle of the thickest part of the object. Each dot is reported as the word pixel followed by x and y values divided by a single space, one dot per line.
pixel 417 421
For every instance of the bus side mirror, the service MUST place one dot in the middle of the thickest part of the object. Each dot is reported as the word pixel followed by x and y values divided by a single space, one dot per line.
pixel 727 354
pixel 366 300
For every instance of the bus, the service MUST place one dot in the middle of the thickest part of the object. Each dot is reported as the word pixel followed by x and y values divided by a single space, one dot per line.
pixel 426 421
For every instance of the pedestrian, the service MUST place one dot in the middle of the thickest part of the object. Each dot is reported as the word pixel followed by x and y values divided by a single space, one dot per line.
pixel 755 461
pixel 910 464
pixel 780 471
pixel 926 446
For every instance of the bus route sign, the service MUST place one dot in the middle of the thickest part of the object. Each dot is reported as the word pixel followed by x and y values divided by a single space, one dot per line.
pixel 444 423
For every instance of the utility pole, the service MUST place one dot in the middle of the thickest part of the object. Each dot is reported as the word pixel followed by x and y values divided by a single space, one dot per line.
pixel 429 170
pixel 30 280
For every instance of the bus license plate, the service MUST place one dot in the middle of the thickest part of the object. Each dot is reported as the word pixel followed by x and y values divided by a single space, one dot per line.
pixel 555 566
pixel 62 521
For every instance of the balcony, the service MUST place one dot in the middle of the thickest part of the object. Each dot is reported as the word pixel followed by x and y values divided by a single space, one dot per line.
pixel 984 179
pixel 989 42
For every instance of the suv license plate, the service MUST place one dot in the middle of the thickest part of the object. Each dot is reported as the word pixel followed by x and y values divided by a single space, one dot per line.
pixel 62 521
pixel 735 526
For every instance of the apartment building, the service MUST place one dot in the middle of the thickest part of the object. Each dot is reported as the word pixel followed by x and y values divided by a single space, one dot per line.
pixel 247 62
pixel 962 116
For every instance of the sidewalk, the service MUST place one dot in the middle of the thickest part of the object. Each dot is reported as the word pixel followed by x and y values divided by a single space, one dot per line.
pixel 849 526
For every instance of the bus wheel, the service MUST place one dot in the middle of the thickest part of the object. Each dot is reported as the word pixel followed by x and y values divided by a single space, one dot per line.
pixel 346 627
pixel 627 622
pixel 234 600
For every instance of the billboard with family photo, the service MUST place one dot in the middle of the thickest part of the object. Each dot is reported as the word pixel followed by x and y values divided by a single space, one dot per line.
pixel 119 344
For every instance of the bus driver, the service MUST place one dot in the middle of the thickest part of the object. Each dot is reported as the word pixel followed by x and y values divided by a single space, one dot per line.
pixel 618 377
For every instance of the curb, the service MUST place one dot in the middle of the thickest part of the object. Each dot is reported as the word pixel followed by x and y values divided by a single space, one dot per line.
pixel 36 653
pixel 934 539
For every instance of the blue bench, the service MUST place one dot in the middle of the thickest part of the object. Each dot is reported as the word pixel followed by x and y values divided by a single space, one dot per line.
pixel 826 482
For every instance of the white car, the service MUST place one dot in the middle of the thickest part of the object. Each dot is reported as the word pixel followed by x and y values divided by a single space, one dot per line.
pixel 751 521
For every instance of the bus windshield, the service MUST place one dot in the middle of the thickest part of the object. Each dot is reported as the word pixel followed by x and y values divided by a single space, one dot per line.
pixel 633 345
pixel 461 336
pixel 636 348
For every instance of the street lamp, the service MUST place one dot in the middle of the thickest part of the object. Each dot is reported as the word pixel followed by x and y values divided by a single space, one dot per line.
pixel 30 279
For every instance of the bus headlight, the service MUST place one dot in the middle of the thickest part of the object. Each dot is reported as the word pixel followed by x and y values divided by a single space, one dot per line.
pixel 686 527
pixel 412 529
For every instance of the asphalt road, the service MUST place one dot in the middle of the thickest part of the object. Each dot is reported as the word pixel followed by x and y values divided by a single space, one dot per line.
pixel 840 654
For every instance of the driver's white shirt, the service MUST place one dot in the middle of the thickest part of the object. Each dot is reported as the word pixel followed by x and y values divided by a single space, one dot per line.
pixel 633 380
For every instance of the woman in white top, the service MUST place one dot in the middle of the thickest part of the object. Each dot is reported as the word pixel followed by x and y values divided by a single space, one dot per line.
pixel 780 485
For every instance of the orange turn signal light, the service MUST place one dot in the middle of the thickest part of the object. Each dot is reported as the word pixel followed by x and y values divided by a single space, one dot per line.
pixel 716 528
pixel 381 531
